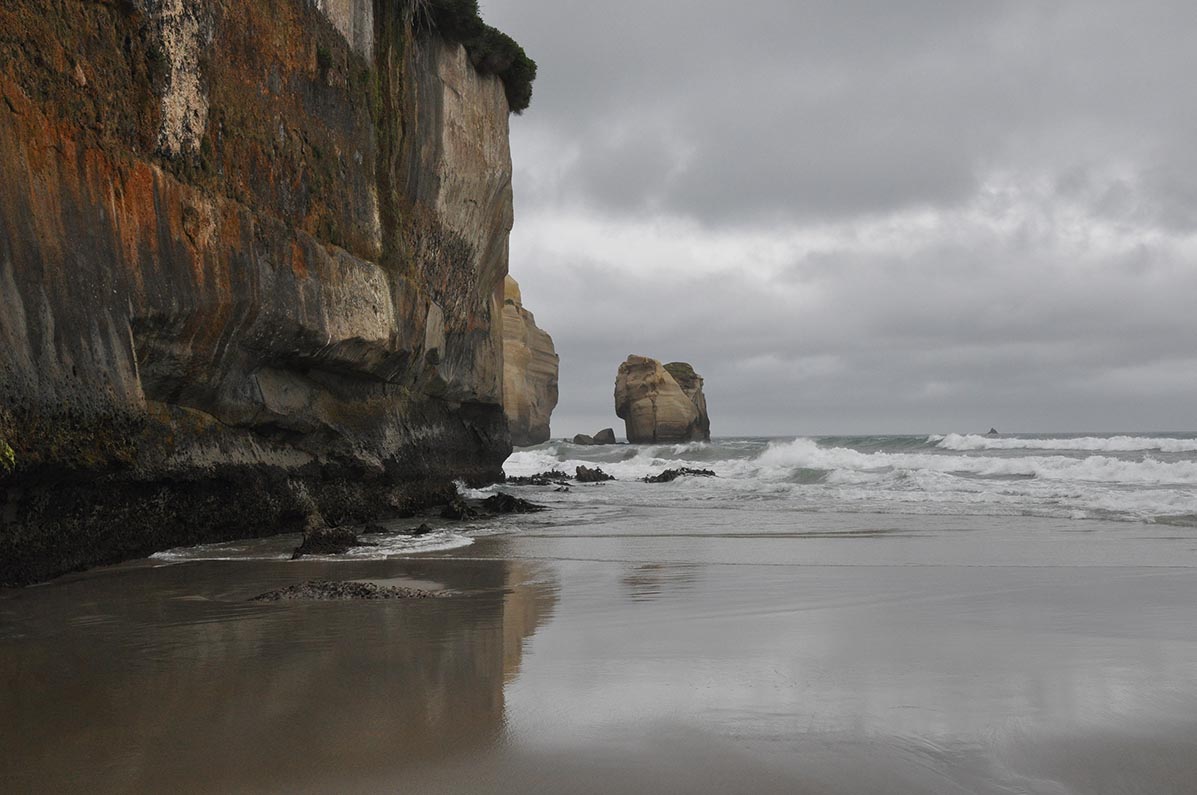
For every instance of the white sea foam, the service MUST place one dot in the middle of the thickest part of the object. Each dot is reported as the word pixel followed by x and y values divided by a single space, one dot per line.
pixel 807 453
pixel 833 476
pixel 626 462
pixel 214 552
pixel 384 546
pixel 390 546
pixel 1107 444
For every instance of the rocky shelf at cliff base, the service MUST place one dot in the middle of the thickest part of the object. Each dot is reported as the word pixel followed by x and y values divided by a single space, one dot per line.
pixel 661 403
pixel 253 267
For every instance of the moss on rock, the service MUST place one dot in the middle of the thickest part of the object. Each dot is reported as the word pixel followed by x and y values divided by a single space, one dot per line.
pixel 681 370
pixel 8 458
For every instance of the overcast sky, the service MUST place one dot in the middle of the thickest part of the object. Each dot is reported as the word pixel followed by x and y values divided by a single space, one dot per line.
pixel 852 217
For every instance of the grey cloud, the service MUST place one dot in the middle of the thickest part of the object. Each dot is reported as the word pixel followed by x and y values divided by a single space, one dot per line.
pixel 928 343
pixel 825 108
pixel 1052 142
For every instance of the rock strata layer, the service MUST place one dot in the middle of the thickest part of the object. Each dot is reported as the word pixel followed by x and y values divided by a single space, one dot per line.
pixel 252 256
pixel 529 371
pixel 661 403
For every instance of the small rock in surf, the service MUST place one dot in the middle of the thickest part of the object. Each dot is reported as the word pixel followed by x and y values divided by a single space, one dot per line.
pixel 505 503
pixel 553 477
pixel 670 475
pixel 328 541
pixel 459 510
pixel 585 474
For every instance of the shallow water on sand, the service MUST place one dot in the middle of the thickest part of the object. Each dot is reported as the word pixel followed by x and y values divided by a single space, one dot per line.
pixel 637 638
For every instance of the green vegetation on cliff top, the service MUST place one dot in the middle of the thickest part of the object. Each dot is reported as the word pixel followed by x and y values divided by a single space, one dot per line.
pixel 8 459
pixel 680 370
pixel 491 51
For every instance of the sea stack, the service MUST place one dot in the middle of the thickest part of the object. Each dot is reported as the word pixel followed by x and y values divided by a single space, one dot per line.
pixel 529 371
pixel 661 403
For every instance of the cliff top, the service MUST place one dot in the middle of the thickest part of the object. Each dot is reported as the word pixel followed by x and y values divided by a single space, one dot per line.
pixel 491 51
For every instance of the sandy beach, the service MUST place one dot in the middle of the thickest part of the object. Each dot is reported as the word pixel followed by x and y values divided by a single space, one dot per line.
pixel 599 651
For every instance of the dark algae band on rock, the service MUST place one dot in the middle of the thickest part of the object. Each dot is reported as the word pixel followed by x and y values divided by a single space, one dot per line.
pixel 252 256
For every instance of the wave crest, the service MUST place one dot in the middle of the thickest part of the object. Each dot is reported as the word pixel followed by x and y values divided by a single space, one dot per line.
pixel 806 453
pixel 1103 444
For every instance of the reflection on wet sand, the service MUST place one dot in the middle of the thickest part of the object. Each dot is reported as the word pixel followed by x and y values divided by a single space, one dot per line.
pixel 648 581
pixel 167 679
pixel 698 662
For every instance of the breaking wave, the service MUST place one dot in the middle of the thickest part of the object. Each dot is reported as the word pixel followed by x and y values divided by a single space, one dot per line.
pixel 1103 469
pixel 280 548
pixel 1123 478
pixel 1108 444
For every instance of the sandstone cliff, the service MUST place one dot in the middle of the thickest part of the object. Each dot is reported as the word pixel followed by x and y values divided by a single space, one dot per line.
pixel 529 371
pixel 251 266
pixel 661 403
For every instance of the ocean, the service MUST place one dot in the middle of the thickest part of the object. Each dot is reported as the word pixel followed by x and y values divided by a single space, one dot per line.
pixel 908 614
pixel 1143 478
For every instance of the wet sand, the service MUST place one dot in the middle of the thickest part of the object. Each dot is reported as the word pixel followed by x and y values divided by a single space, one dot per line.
pixel 619 653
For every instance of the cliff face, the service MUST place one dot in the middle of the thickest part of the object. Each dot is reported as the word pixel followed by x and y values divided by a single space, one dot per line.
pixel 529 371
pixel 251 266
pixel 661 403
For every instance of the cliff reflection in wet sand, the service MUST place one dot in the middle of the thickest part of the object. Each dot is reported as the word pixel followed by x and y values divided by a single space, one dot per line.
pixel 167 679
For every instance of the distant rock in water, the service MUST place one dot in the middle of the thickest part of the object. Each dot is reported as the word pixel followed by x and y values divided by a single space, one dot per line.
pixel 605 436
pixel 993 432
pixel 331 590
pixel 529 371
pixel 670 475
pixel 328 541
pixel 661 403
pixel 587 474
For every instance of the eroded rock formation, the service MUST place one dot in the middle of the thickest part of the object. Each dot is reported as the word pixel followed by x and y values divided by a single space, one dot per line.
pixel 251 266
pixel 661 403
pixel 529 371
